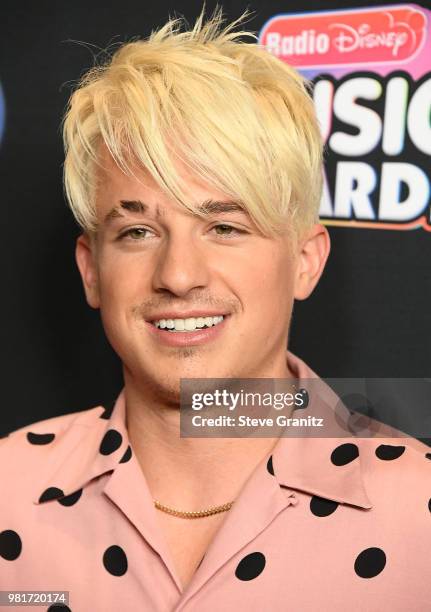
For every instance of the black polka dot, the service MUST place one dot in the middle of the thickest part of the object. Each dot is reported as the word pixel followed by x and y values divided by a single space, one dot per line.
pixel 59 608
pixel 305 399
pixel 345 453
pixel 35 438
pixel 320 506
pixel 71 499
pixel 107 413
pixel 51 493
pixel 269 466
pixel 111 442
pixel 389 451
pixel 370 562
pixel 428 455
pixel 115 560
pixel 250 566
pixel 429 505
pixel 127 455
pixel 10 545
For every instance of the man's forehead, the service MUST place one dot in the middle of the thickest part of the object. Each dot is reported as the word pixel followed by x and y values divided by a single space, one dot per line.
pixel 208 206
pixel 110 166
pixel 147 197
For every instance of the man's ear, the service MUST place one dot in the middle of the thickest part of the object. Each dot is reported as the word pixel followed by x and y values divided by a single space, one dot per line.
pixel 313 252
pixel 85 256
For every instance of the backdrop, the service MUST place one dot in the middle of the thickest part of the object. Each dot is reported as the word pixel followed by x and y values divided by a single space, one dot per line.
pixel 370 314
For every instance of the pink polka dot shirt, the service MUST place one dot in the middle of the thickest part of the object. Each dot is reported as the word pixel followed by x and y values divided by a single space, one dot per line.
pixel 322 524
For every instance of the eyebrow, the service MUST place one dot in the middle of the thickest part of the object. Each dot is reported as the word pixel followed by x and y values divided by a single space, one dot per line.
pixel 136 206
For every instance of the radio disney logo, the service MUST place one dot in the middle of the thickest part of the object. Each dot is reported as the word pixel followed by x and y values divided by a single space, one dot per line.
pixel 359 36
pixel 348 39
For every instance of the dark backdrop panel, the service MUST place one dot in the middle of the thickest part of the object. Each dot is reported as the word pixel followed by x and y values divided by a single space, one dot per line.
pixel 369 316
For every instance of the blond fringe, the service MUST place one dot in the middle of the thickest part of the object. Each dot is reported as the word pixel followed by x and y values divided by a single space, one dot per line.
pixel 240 118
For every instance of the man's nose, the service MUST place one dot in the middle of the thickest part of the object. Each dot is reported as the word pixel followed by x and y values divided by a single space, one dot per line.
pixel 181 266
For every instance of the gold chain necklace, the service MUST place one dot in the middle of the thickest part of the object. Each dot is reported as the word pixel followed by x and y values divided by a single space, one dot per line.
pixel 196 514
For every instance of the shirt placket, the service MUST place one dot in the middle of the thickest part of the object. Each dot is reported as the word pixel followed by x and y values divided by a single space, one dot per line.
pixel 129 491
pixel 261 500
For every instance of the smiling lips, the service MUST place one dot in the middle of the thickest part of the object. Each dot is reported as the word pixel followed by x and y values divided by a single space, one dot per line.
pixel 186 331
pixel 187 324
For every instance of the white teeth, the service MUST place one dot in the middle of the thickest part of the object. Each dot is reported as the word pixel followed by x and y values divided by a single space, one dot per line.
pixel 179 324
pixel 189 324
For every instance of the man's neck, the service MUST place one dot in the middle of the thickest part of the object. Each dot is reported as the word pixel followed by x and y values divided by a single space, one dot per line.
pixel 188 473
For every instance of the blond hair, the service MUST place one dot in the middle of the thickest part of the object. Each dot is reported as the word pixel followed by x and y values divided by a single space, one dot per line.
pixel 242 119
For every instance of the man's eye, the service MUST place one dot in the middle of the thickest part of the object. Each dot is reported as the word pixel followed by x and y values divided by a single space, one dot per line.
pixel 227 230
pixel 135 233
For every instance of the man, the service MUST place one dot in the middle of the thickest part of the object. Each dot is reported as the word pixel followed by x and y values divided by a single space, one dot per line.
pixel 193 164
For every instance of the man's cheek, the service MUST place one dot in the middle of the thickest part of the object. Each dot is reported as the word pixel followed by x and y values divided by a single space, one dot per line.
pixel 113 285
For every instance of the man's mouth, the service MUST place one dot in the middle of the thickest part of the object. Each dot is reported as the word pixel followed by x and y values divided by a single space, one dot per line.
pixel 189 324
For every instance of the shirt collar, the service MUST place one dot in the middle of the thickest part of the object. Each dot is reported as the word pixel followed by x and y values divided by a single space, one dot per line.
pixel 97 441
pixel 309 463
